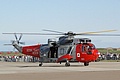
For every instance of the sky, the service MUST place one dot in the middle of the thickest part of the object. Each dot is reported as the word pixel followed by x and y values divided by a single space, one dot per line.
pixel 59 15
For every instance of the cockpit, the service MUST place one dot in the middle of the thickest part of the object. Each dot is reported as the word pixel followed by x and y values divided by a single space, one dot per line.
pixel 88 48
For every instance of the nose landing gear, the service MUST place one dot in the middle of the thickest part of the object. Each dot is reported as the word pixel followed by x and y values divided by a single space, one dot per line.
pixel 86 63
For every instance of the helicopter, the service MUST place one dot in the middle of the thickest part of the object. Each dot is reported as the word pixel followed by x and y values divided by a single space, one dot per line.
pixel 66 49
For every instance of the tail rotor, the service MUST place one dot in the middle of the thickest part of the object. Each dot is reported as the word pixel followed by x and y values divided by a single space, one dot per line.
pixel 17 39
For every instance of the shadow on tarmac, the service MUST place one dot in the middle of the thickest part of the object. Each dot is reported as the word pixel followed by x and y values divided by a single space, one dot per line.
pixel 57 65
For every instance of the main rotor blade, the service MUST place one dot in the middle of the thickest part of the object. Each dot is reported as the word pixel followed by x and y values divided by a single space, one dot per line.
pixel 101 34
pixel 96 32
pixel 53 31
pixel 34 33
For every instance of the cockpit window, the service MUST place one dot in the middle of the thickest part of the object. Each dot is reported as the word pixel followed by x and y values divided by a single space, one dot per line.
pixel 88 48
pixel 85 48
pixel 93 46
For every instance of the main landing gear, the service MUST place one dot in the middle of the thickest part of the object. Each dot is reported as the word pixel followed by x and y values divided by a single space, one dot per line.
pixel 41 63
pixel 67 64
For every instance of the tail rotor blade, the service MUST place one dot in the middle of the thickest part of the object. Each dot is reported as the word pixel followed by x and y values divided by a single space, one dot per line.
pixel 22 43
pixel 16 37
pixel 7 44
pixel 20 37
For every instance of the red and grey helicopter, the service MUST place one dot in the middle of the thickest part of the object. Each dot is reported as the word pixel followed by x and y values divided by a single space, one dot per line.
pixel 67 48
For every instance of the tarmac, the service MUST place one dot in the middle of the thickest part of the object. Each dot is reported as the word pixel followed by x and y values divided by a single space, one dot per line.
pixel 55 71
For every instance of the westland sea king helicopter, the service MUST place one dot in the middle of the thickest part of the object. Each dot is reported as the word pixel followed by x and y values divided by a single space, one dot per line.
pixel 66 49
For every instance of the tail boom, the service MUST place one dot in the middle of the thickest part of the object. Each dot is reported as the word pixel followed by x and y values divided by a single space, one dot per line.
pixel 32 50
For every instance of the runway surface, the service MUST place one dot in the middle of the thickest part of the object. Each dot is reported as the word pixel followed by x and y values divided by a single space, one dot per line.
pixel 55 71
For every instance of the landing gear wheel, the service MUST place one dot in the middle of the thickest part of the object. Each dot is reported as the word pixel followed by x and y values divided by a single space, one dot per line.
pixel 86 63
pixel 67 64
pixel 60 62
pixel 41 64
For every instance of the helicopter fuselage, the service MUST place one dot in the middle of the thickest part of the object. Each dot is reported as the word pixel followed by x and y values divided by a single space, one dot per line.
pixel 81 50
pixel 66 49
